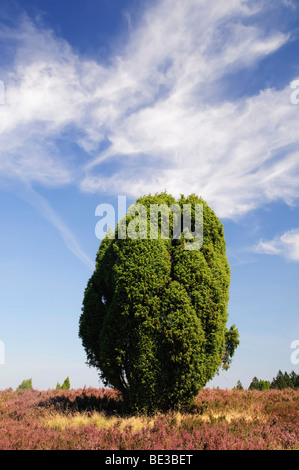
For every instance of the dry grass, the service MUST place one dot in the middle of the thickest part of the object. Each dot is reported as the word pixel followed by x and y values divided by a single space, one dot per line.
pixel 234 415
pixel 61 421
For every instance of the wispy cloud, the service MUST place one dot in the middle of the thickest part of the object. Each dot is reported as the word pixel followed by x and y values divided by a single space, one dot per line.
pixel 286 245
pixel 47 212
pixel 158 114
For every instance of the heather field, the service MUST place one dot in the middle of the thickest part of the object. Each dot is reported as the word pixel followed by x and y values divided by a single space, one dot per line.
pixel 92 419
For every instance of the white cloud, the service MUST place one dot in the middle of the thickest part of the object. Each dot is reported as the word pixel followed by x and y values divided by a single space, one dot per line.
pixel 174 138
pixel 287 245
pixel 161 107
pixel 42 98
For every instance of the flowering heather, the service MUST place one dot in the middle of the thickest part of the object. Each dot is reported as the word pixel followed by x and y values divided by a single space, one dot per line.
pixel 93 419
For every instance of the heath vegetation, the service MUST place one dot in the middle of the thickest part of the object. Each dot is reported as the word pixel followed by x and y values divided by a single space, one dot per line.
pixel 95 419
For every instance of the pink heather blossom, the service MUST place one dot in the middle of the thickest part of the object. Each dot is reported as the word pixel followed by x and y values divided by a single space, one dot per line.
pixel 234 420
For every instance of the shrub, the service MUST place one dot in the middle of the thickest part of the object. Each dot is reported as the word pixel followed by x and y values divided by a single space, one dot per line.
pixel 25 385
pixel 154 314
pixel 65 386
pixel 259 384
pixel 239 385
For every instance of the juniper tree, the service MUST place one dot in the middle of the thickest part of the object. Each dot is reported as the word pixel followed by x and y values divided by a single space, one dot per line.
pixel 154 314
pixel 25 385
pixel 65 386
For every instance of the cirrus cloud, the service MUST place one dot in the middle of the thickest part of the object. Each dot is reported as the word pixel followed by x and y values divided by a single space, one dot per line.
pixel 158 113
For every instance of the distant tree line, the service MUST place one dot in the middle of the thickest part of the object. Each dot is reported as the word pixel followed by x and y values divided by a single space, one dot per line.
pixel 281 381
pixel 27 385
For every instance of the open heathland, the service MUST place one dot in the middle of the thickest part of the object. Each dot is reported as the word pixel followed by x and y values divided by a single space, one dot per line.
pixel 95 419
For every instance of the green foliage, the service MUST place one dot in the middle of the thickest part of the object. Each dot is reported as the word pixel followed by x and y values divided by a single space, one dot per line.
pixel 295 379
pixel 254 385
pixel 281 381
pixel 25 385
pixel 239 386
pixel 259 384
pixel 264 385
pixel 65 386
pixel 285 380
pixel 231 342
pixel 154 314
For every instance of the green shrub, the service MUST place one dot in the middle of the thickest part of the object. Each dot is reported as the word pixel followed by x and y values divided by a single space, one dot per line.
pixel 154 314
pixel 65 386
pixel 25 385
pixel 239 385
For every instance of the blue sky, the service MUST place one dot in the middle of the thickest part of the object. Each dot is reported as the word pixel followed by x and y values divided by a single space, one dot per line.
pixel 107 98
